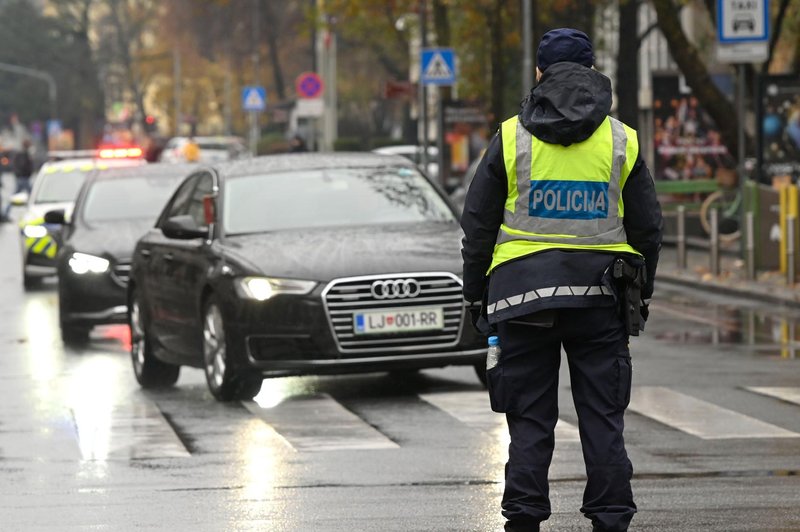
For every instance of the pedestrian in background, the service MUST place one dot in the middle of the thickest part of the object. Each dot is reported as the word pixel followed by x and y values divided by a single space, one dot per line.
pixel 561 194
pixel 297 144
pixel 22 165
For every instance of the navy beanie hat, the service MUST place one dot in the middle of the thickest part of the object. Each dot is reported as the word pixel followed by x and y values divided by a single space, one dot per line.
pixel 564 44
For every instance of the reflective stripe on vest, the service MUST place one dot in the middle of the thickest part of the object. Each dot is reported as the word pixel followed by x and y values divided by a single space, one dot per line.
pixel 565 197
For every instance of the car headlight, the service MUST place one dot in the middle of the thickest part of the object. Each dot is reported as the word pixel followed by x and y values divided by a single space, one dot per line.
pixel 263 288
pixel 81 263
pixel 34 231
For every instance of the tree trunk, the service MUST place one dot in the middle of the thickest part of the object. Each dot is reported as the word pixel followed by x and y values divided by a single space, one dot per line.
pixel 628 63
pixel 272 24
pixel 686 56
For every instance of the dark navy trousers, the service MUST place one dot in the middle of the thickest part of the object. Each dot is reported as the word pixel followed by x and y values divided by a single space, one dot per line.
pixel 524 385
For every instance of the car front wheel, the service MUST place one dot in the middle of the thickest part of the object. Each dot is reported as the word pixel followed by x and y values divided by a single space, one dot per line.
pixel 71 334
pixel 150 372
pixel 480 371
pixel 223 382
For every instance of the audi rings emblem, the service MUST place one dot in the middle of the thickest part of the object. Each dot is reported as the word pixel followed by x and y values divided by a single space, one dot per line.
pixel 395 289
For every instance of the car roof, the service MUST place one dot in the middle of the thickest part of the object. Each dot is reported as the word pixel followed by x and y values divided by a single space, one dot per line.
pixel 403 148
pixel 212 138
pixel 87 164
pixel 153 170
pixel 309 161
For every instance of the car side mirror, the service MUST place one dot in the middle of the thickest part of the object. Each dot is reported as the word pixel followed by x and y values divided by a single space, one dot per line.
pixel 56 217
pixel 20 199
pixel 183 227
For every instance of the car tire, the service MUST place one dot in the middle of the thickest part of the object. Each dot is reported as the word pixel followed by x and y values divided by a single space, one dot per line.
pixel 71 333
pixel 30 282
pixel 224 383
pixel 480 371
pixel 74 335
pixel 150 372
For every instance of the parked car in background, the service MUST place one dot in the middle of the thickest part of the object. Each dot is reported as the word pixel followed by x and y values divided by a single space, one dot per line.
pixel 113 210
pixel 211 149
pixel 299 264
pixel 414 154
pixel 55 187
pixel 459 195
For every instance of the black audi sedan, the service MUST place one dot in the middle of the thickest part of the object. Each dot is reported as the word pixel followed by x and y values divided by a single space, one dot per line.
pixel 299 264
pixel 113 210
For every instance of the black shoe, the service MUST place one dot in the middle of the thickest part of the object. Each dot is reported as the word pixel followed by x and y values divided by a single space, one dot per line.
pixel 521 526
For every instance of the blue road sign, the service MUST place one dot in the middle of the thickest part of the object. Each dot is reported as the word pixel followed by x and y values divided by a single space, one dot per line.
pixel 438 66
pixel 742 21
pixel 309 85
pixel 254 99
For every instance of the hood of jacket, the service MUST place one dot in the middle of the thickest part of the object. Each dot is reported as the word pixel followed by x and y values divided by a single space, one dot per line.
pixel 567 105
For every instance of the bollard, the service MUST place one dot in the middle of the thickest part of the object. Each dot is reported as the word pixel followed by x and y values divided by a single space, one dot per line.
pixel 790 272
pixel 714 241
pixel 681 237
pixel 750 245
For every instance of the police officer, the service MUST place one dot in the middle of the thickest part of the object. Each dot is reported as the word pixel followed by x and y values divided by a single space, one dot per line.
pixel 562 192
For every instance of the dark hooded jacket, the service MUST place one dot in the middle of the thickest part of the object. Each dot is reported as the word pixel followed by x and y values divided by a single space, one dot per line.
pixel 566 107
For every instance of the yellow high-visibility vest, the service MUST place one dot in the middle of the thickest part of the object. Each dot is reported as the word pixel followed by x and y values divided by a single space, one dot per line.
pixel 565 197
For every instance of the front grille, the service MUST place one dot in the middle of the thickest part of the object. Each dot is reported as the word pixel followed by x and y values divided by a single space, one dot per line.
pixel 121 272
pixel 345 297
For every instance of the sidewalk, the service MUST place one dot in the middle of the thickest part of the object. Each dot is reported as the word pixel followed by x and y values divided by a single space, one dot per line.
pixel 732 280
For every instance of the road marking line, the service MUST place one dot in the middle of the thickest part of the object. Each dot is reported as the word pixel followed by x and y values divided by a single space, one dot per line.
pixel 132 431
pixel 320 423
pixel 700 418
pixel 790 394
pixel 472 409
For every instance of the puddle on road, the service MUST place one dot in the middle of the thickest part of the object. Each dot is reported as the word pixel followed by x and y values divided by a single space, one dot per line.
pixel 770 332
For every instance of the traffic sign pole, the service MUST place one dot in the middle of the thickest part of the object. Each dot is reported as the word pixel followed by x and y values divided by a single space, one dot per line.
pixel 742 33
pixel 423 93
pixel 254 101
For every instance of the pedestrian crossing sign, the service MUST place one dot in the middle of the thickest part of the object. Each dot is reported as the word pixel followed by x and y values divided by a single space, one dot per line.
pixel 254 98
pixel 438 66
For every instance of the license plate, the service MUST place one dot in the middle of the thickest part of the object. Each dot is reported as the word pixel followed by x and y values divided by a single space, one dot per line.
pixel 399 320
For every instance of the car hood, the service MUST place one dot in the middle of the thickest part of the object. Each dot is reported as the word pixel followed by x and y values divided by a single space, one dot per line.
pixel 326 254
pixel 115 239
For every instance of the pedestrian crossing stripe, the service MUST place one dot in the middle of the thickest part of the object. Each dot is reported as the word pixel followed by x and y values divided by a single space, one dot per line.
pixel 700 418
pixel 319 423
pixel 438 69
pixel 314 423
pixel 784 393
pixel 472 409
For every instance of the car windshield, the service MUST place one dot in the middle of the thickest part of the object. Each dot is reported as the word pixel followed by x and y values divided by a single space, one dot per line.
pixel 127 199
pixel 58 186
pixel 332 197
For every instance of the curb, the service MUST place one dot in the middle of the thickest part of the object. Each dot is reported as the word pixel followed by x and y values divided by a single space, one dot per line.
pixel 760 292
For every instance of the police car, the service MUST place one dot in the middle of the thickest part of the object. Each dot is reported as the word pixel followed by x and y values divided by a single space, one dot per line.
pixel 55 187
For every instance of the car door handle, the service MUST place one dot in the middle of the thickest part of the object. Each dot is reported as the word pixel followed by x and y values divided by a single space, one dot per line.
pixel 168 257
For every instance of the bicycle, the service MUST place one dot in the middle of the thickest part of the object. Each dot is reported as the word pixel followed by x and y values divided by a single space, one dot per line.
pixel 728 202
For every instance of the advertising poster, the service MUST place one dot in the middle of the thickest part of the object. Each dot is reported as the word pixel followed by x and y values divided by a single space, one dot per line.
pixel 688 144
pixel 466 134
pixel 779 153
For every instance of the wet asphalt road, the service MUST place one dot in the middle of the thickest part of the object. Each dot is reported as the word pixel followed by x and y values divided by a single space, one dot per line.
pixel 713 432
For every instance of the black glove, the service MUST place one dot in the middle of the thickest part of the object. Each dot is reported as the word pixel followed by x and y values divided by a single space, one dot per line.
pixel 478 318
